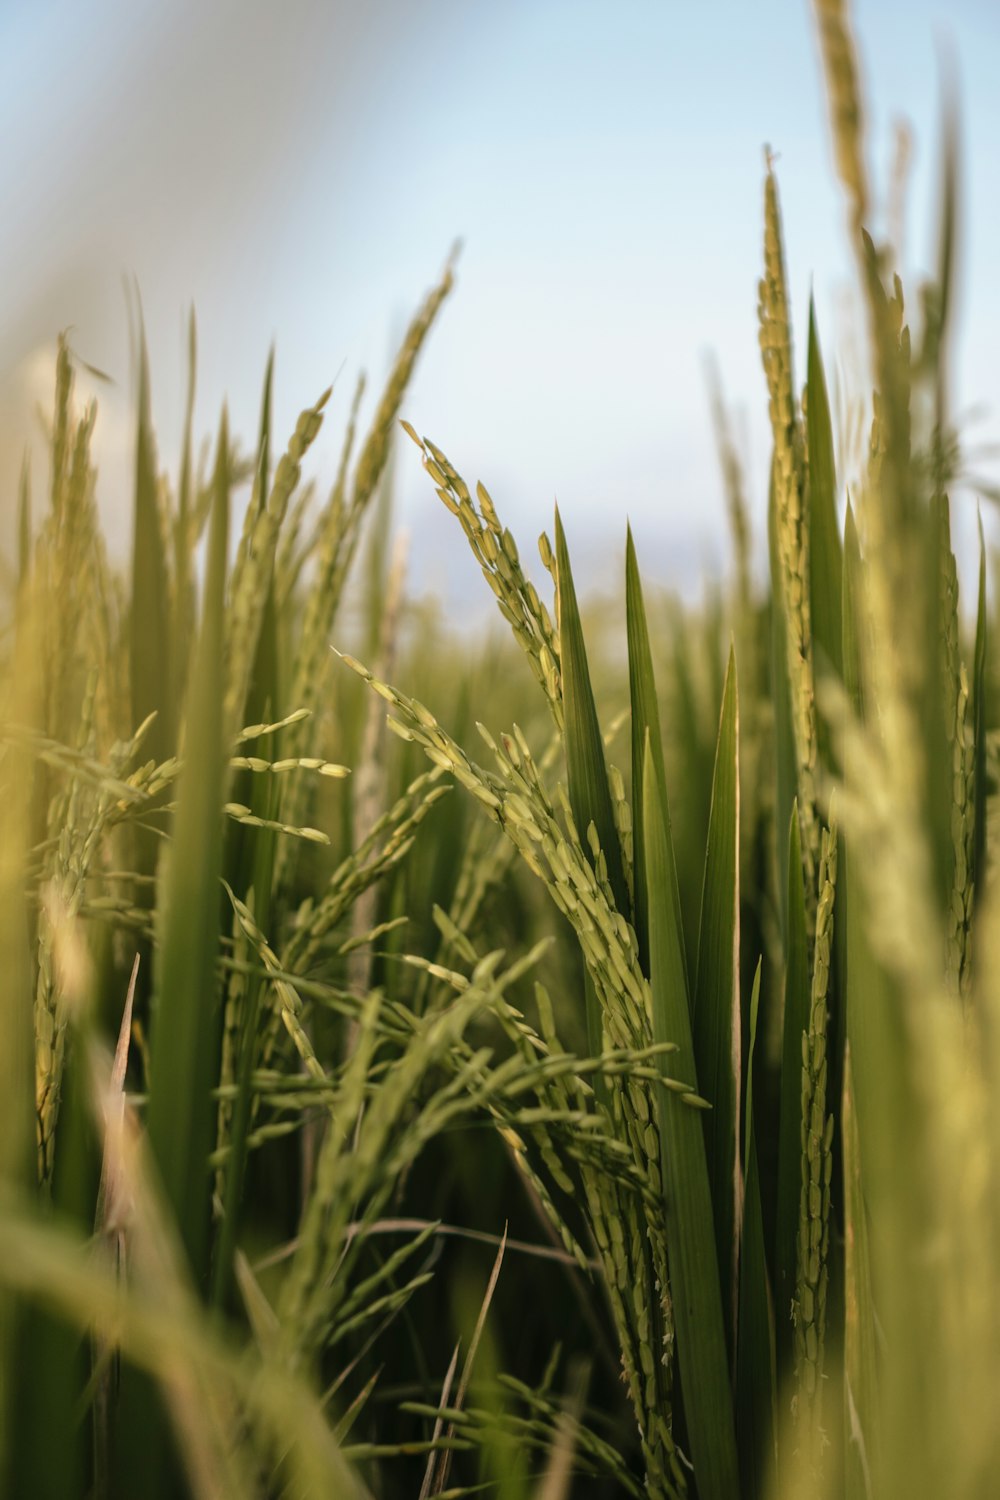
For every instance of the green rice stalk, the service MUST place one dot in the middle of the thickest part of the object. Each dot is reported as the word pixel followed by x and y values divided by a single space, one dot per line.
pixel 844 103
pixel 756 1395
pixel 253 568
pixel 495 550
pixel 812 1249
pixel 795 1025
pixel 792 526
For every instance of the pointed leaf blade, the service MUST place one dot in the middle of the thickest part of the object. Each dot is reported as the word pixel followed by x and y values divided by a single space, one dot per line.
pixel 697 1297
pixel 716 1006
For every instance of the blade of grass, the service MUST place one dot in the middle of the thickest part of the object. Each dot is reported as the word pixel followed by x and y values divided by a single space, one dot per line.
pixel 586 768
pixel 185 1024
pixel 150 644
pixel 825 561
pixel 755 1366
pixel 696 1294
pixel 185 1031
pixel 590 796
pixel 444 1461
pixel 716 1007
pixel 645 717
pixel 784 736
pixel 796 1021
pixel 183 530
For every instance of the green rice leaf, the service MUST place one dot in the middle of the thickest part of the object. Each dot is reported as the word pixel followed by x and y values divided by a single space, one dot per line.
pixel 825 561
pixel 256 850
pixel 695 1289
pixel 755 1361
pixel 645 725
pixel 716 1007
pixel 185 1029
pixel 586 768
pixel 149 656
pixel 796 1020
pixel 785 762
pixel 861 1389
pixel 183 529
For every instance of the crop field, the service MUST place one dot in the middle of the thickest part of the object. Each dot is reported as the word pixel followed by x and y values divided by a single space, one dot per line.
pixel 554 1063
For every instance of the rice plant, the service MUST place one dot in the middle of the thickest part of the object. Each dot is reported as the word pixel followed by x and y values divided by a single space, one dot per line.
pixel 585 1087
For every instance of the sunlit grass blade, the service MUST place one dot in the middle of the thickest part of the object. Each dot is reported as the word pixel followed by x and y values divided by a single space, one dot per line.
pixel 590 797
pixel 183 531
pixel 755 1369
pixel 796 1020
pixel 825 562
pixel 150 633
pixel 645 717
pixel 695 1290
pixel 185 1028
pixel 252 865
pixel 185 1025
pixel 716 1001
pixel 586 768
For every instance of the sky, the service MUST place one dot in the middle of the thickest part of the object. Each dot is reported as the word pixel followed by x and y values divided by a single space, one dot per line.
pixel 299 172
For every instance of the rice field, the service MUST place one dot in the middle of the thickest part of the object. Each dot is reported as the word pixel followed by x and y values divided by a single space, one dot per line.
pixel 557 1063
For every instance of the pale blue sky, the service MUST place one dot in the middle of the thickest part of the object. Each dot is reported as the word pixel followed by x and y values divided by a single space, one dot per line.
pixel 300 170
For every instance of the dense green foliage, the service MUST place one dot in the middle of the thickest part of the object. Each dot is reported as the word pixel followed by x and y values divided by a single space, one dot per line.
pixel 597 1099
